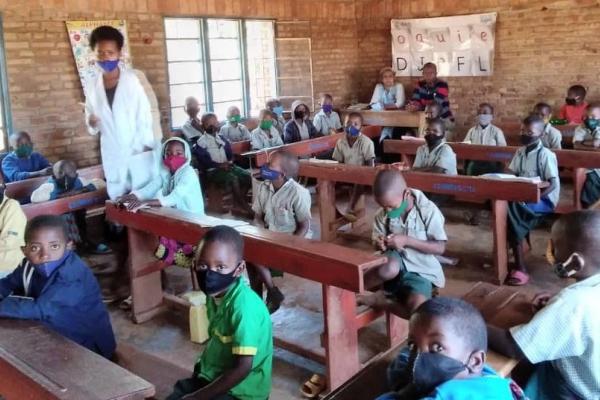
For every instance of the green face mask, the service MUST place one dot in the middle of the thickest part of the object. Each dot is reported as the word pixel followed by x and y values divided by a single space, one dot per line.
pixel 24 150
pixel 398 211
pixel 266 125
pixel 235 119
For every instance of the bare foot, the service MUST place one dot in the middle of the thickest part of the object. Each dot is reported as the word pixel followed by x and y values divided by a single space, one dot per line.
pixel 373 300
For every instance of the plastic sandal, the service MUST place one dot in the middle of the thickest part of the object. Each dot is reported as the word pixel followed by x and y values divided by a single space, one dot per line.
pixel 517 278
pixel 313 387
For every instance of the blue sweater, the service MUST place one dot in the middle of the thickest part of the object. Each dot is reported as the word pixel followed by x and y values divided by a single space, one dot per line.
pixel 18 169
pixel 68 301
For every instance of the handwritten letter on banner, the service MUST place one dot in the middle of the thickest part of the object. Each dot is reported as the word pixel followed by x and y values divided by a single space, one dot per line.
pixel 459 46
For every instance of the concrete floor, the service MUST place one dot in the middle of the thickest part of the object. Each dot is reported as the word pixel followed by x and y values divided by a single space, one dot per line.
pixel 300 319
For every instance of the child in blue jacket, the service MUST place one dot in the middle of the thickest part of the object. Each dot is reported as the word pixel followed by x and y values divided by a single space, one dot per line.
pixel 24 163
pixel 54 286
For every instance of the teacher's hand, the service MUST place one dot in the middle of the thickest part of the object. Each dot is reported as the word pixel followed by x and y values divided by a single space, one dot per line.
pixel 94 121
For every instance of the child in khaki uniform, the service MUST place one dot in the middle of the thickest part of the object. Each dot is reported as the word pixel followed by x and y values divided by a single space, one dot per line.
pixel 281 205
pixel 12 230
pixel 354 149
pixel 435 155
pixel 233 130
pixel 552 137
pixel 409 229
pixel 587 136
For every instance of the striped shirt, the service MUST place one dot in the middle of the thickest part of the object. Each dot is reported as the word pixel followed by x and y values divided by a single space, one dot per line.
pixel 424 95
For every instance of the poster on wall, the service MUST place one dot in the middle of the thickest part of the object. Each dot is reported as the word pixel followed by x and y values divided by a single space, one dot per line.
pixel 460 45
pixel 79 36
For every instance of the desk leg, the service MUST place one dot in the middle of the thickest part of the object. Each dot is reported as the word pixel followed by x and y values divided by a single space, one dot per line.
pixel 579 176
pixel 500 210
pixel 146 290
pixel 397 329
pixel 341 335
pixel 326 193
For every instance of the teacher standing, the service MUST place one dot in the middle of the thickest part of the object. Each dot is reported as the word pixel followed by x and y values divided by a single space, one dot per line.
pixel 118 109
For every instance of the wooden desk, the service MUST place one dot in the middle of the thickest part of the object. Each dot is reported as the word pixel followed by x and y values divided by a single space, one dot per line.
pixel 512 131
pixel 340 270
pixel 395 118
pixel 579 161
pixel 89 200
pixel 238 148
pixel 39 364
pixel 473 188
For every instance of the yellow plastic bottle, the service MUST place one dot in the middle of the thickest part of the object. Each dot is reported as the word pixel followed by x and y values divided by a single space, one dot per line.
pixel 198 317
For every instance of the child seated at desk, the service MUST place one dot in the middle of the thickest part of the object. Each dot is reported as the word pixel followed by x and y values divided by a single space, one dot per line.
pixel 22 162
pixel 552 137
pixel 64 183
pixel 446 357
pixel 274 105
pixel 54 286
pixel 434 111
pixel 237 359
pixel 176 185
pixel 300 127
pixel 435 155
pixel 530 161
pixel 233 130
pixel 327 121
pixel 192 129
pixel 354 149
pixel 409 229
pixel 485 133
pixel 280 205
pixel 586 137
pixel 573 111
pixel 562 338
pixel 12 230
pixel 215 158
pixel 265 135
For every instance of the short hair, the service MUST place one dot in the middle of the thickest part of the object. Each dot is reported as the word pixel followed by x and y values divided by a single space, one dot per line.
pixel 387 181
pixel 62 165
pixel 231 108
pixel 465 320
pixel 206 116
pixel 383 70
pixel 15 136
pixel 582 228
pixel 491 107
pixel 272 101
pixel 106 33
pixel 327 96
pixel 437 121
pixel 225 235
pixel 264 112
pixel 541 105
pixel 353 114
pixel 290 162
pixel 45 221
pixel 578 90
pixel 533 119
pixel 429 65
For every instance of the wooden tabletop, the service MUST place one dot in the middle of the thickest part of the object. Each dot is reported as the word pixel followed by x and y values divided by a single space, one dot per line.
pixel 37 363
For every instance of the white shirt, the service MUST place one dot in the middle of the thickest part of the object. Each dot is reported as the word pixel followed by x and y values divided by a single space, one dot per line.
pixel 566 332
pixel 394 95
pixel 325 123
pixel 303 129
pixel 491 135
pixel 259 139
pixel 236 133
pixel 215 146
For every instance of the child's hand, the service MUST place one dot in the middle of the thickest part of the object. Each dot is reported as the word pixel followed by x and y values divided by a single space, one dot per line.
pixel 397 242
pixel 540 300
pixel 126 199
pixel 596 143
pixel 380 243
pixel 46 171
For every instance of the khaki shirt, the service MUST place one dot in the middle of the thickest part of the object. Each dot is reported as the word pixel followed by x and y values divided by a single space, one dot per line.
pixel 424 222
pixel 12 231
pixel 325 123
pixel 583 134
pixel 360 153
pixel 235 133
pixel 260 140
pixel 538 162
pixel 215 146
pixel 552 137
pixel 442 156
pixel 491 135
pixel 284 208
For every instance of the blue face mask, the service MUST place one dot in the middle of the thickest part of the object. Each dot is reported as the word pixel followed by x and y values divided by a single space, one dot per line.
pixel 327 108
pixel 278 110
pixel 49 267
pixel 268 174
pixel 109 65
pixel 353 131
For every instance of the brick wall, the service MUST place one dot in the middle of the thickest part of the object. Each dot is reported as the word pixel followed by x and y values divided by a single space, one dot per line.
pixel 542 47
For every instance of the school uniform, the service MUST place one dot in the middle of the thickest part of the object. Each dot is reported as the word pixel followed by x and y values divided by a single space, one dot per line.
pixel 360 153
pixel 325 123
pixel 296 132
pixel 236 133
pixel 573 114
pixel 12 230
pixel 259 138
pixel 282 209
pixel 419 271
pixel 190 133
pixel 441 156
pixel 211 150
pixel 590 193
pixel 239 325
pixel 16 168
pixel 552 138
pixel 489 135
pixel 523 217
pixel 279 124
pixel 561 340
pixel 67 300
pixel 381 97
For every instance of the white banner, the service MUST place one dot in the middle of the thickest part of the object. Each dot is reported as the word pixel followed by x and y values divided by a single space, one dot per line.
pixel 460 46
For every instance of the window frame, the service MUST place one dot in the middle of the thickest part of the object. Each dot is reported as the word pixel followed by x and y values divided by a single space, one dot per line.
pixel 7 122
pixel 206 60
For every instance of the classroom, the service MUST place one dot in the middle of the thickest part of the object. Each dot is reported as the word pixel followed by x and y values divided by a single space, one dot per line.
pixel 274 199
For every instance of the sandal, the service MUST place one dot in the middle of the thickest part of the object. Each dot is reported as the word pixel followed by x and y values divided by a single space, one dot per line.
pixel 517 278
pixel 314 386
pixel 126 304
pixel 274 299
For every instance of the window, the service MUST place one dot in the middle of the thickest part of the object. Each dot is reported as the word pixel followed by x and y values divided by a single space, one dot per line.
pixel 221 62
pixel 5 120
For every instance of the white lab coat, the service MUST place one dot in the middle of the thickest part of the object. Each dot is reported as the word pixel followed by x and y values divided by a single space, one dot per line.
pixel 124 132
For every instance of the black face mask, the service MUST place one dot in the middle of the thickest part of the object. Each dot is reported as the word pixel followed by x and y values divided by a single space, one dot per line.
pixel 430 370
pixel 2 188
pixel 433 140
pixel 210 129
pixel 66 183
pixel 212 282
pixel 299 114
pixel 570 101
pixel 528 140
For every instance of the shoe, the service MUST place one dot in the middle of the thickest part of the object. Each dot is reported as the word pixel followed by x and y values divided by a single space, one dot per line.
pixel 274 299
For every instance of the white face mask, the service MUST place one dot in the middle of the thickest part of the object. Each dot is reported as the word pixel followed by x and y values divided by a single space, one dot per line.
pixel 485 119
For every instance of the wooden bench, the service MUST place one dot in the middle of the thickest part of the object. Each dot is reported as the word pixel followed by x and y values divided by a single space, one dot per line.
pixel 83 201
pixel 306 148
pixel 502 307
pixel 395 118
pixel 38 363
pixel 472 188
pixel 340 270
pixel 579 161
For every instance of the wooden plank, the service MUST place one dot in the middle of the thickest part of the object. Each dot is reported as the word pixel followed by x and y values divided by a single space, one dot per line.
pixel 238 148
pixel 88 200
pixel 396 118
pixel 42 364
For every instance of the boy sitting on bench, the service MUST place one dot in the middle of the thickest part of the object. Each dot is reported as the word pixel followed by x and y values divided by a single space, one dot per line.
pixel 24 163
